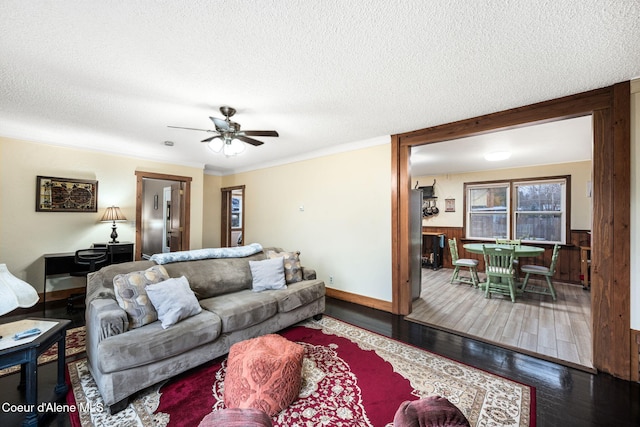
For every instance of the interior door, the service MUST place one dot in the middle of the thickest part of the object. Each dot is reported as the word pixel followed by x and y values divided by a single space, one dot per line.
pixel 175 216
pixel 183 211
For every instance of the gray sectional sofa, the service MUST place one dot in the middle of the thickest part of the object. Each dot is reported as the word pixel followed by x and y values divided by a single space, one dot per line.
pixel 124 361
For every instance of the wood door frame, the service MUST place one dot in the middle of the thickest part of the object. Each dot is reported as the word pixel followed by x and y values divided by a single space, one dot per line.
pixel 611 240
pixel 186 181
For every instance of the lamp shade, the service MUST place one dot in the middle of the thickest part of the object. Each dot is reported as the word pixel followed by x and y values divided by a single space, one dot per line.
pixel 113 213
pixel 14 292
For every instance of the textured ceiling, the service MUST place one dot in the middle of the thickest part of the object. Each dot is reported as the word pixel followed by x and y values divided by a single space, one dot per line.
pixel 327 75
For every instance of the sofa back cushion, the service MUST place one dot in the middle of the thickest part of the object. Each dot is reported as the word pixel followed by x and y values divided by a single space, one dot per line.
pixel 212 277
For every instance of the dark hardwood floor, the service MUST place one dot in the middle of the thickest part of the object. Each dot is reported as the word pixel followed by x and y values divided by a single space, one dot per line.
pixel 564 396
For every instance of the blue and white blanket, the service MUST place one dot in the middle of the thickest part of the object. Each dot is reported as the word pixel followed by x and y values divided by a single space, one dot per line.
pixel 235 252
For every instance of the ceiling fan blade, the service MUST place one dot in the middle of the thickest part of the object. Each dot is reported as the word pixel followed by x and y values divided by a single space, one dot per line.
pixel 180 127
pixel 248 140
pixel 210 139
pixel 221 125
pixel 260 133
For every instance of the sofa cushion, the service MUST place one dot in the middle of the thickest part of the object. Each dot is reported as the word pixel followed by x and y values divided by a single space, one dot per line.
pixel 267 274
pixel 173 300
pixel 132 296
pixel 211 277
pixel 242 309
pixel 292 266
pixel 297 294
pixel 151 342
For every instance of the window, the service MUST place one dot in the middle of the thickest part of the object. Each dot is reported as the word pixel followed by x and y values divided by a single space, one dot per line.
pixel 540 211
pixel 488 211
pixel 529 210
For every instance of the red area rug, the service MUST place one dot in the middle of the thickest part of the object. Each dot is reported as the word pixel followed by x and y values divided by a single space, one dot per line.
pixel 351 377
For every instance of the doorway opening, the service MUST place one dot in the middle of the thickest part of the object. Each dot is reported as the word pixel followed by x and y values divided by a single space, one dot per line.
pixel 558 330
pixel 610 275
pixel 162 213
pixel 232 224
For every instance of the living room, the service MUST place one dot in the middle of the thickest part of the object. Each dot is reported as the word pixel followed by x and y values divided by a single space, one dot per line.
pixel 332 203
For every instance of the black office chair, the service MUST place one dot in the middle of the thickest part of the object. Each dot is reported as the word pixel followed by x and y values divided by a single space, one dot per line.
pixel 92 259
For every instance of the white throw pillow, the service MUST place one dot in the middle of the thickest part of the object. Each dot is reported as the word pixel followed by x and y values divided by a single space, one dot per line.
pixel 174 300
pixel 268 274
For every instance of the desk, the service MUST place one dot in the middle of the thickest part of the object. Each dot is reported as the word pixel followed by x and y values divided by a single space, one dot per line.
pixel 27 356
pixel 520 251
pixel 64 263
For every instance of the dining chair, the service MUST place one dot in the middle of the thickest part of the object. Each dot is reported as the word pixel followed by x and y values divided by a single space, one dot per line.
pixel 458 263
pixel 541 270
pixel 512 242
pixel 499 269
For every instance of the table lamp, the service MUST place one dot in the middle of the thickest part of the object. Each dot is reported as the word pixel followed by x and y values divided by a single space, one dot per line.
pixel 14 292
pixel 114 214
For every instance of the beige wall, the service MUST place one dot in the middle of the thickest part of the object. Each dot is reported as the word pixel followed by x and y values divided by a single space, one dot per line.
pixel 211 205
pixel 25 235
pixel 344 229
pixel 452 187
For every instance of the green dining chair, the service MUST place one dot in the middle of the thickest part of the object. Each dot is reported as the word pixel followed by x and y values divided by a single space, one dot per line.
pixel 541 270
pixel 499 269
pixel 458 263
pixel 512 242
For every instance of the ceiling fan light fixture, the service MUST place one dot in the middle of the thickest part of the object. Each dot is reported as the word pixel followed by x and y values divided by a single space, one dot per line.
pixel 216 145
pixel 233 147
pixel 238 146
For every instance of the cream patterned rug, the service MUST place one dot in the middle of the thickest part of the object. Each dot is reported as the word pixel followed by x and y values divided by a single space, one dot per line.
pixel 351 377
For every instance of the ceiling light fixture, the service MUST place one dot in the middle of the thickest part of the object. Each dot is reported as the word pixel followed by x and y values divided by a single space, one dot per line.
pixel 497 156
pixel 229 147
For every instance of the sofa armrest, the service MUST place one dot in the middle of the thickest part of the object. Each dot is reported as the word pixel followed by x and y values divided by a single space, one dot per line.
pixel 308 273
pixel 104 319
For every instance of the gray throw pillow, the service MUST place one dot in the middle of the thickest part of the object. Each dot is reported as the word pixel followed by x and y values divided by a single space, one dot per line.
pixel 174 300
pixel 268 274
pixel 132 297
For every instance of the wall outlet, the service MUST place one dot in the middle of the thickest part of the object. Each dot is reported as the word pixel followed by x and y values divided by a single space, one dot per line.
pixel 331 280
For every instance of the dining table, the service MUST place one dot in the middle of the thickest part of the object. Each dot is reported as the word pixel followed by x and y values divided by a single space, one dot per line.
pixel 521 251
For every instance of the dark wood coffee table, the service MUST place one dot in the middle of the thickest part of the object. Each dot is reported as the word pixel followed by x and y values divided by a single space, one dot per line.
pixel 26 355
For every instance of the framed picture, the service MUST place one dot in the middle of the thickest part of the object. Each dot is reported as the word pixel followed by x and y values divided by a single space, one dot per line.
pixel 449 205
pixel 66 195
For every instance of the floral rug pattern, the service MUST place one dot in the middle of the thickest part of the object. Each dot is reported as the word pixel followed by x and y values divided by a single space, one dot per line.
pixel 334 386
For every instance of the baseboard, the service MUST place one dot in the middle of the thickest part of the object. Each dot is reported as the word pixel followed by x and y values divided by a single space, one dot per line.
pixel 635 355
pixel 359 299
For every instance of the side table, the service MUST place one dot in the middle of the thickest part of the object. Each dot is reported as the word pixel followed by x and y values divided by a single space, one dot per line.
pixel 26 354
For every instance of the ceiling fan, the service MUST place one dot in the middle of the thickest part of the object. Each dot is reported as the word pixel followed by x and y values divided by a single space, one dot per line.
pixel 229 139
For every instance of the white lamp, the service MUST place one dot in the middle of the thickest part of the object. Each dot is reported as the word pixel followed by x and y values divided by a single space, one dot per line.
pixel 14 292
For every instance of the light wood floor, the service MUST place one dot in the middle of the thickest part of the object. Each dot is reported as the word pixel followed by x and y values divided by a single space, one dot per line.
pixel 559 330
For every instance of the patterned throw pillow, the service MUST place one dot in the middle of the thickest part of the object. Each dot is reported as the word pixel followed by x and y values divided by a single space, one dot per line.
pixel 292 267
pixel 132 296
